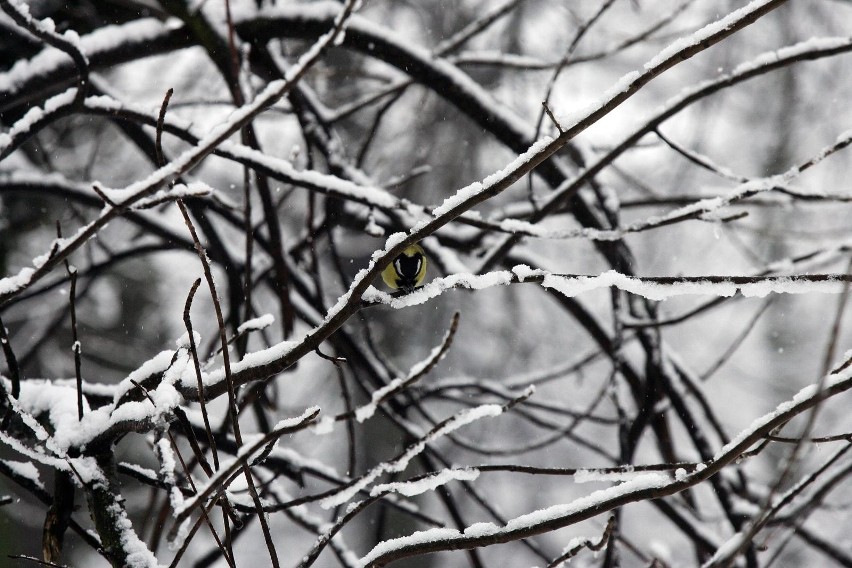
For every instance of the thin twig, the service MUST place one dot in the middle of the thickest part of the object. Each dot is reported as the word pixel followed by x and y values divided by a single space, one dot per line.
pixel 551 117
pixel 834 335
pixel 193 349
pixel 587 543
pixel 75 346
pixel 12 364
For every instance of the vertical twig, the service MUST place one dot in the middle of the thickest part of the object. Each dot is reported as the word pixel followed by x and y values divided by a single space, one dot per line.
pixel 75 347
pixel 835 328
pixel 11 362
pixel 193 348
pixel 347 399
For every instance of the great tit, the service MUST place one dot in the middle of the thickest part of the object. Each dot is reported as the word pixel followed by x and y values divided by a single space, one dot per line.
pixel 407 270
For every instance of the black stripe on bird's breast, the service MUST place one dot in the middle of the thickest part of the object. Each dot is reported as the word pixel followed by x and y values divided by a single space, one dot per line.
pixel 407 267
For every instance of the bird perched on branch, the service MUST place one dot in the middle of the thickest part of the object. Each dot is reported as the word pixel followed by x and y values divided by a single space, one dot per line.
pixel 407 270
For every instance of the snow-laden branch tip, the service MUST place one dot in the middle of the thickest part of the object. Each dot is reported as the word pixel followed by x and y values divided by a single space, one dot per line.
pixel 256 324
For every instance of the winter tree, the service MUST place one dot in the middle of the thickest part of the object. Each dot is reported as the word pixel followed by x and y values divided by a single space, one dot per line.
pixel 630 348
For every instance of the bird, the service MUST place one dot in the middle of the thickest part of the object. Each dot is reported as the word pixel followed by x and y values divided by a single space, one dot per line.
pixel 407 270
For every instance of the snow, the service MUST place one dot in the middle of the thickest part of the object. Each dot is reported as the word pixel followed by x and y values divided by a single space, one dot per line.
pixel 367 410
pixel 154 366
pixel 574 285
pixel 143 471
pixel 16 282
pixel 477 530
pixel 522 271
pixel 324 425
pixel 640 483
pixel 251 360
pixel 437 287
pixel 294 421
pixel 325 183
pixel 704 33
pixel 258 323
pixel 471 191
pixel 35 455
pixel 183 340
pixel 25 470
pixel 103 39
pixel 167 472
pixel 401 463
pixel 590 475
pixel 419 537
pixel 412 488
pixel 792 51
pixel 727 549
pixel 138 555
pixel 59 403
pixel 36 114
pixel 523 522
pixel 178 191
pixel 841 381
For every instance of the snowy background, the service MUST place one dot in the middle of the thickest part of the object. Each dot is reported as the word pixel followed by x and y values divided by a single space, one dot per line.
pixel 671 274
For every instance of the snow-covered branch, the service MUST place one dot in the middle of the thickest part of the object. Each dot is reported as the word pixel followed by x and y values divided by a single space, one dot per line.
pixel 642 487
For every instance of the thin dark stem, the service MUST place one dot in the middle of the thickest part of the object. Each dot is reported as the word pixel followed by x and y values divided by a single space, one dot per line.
pixel 193 349
pixel 11 362
pixel 572 552
pixel 75 345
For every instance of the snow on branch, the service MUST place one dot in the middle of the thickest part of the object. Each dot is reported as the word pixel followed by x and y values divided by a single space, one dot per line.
pixel 644 487
pixel 68 42
pixel 416 373
pixel 35 119
pixel 815 48
pixel 12 285
pixel 489 187
pixel 409 488
pixel 400 463
pixel 419 486
pixel 52 66
pixel 245 454
pixel 650 287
